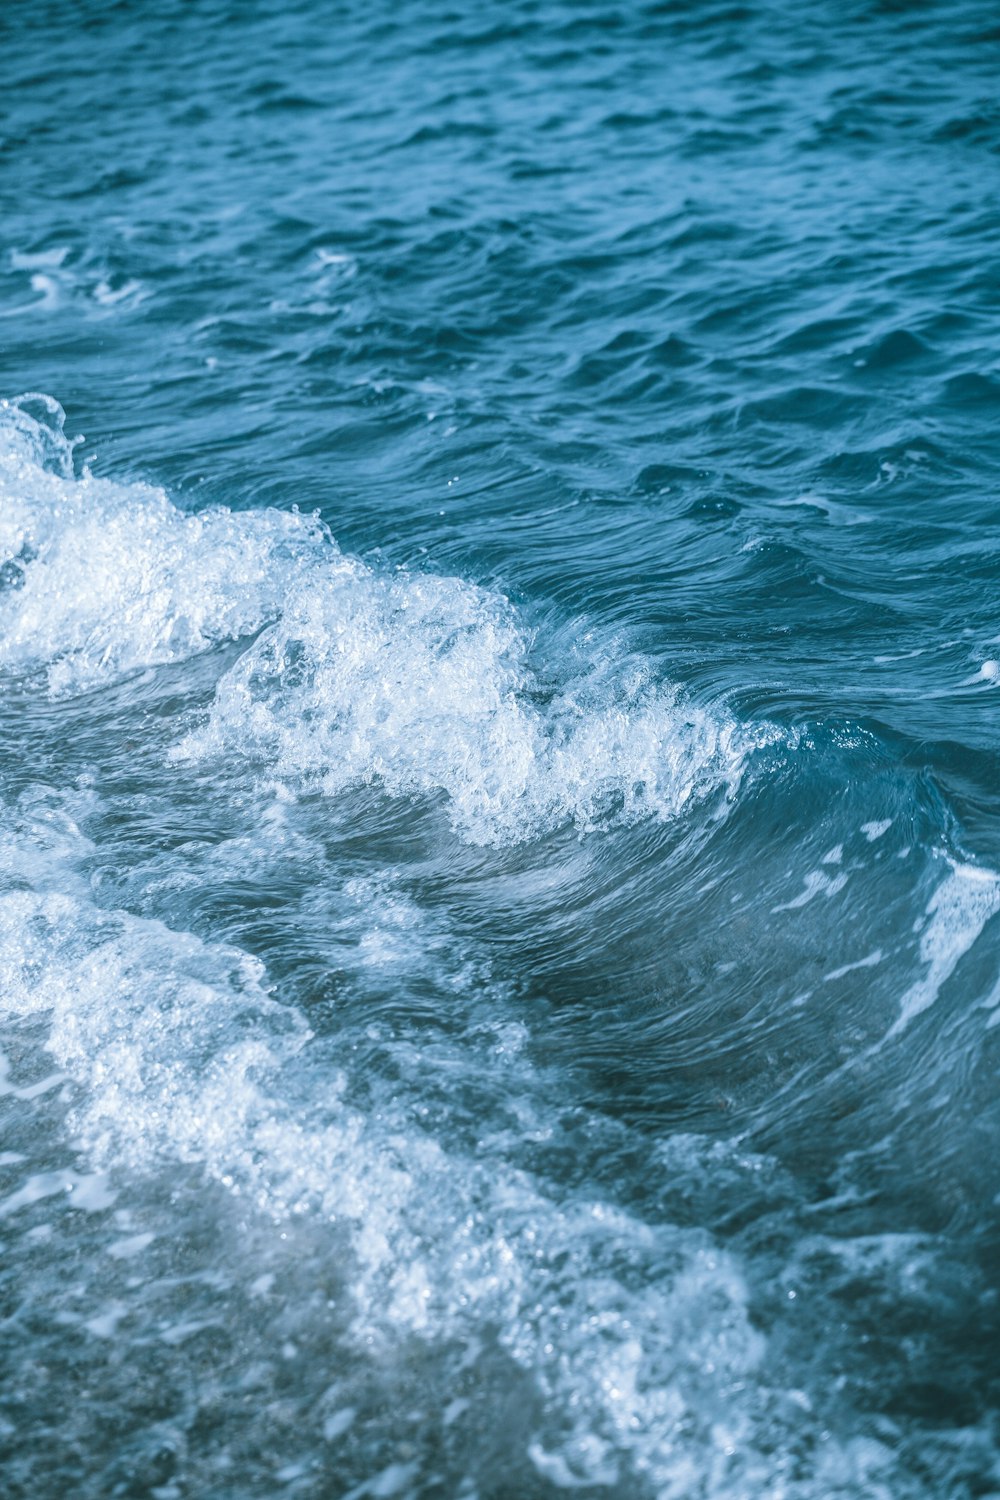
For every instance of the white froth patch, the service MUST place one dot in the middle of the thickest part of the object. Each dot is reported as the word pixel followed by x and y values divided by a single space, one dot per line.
pixel 816 883
pixel 629 1329
pixel 635 1333
pixel 90 1193
pixel 129 1004
pixel 98 578
pixel 869 961
pixel 423 685
pixel 420 684
pixel 957 913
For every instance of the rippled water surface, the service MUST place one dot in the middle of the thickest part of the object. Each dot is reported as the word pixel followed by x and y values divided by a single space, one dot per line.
pixel 499 777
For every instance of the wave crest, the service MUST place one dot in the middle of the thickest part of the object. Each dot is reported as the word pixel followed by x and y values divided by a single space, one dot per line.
pixel 424 685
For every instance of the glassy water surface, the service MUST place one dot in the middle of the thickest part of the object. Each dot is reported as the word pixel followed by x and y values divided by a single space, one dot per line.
pixel 500 859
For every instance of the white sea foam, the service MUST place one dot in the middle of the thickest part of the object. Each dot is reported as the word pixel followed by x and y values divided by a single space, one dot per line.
pixel 816 883
pixel 956 914
pixel 419 683
pixel 636 1335
pixel 89 282
pixel 100 578
pixel 424 685
pixel 869 961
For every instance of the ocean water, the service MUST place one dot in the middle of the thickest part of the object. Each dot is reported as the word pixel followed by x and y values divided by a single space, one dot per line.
pixel 500 791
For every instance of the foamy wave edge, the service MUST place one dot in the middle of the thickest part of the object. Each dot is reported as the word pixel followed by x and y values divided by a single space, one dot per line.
pixel 422 684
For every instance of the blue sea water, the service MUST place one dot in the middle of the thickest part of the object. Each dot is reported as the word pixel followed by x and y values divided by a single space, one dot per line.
pixel 500 791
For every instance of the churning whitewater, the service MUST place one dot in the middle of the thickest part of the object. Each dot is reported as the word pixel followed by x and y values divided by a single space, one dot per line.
pixel 403 1120
pixel 420 683
pixel 499 751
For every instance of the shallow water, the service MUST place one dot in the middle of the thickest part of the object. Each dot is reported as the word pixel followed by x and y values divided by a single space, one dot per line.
pixel 499 822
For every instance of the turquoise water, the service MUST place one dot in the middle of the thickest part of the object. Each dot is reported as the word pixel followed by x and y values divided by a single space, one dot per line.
pixel 500 861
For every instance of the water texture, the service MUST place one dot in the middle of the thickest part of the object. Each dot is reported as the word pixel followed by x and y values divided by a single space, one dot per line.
pixel 499 750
